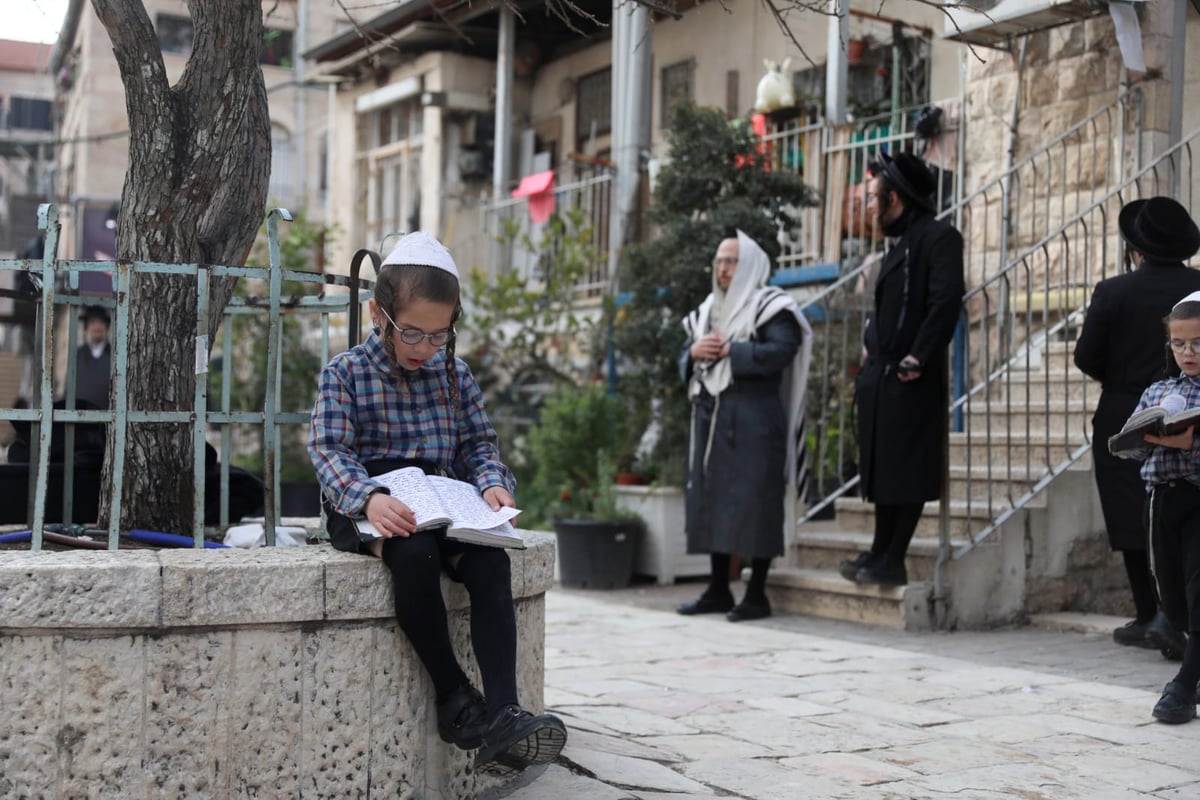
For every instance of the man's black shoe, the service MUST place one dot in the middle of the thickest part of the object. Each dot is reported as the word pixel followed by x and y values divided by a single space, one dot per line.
pixel 1133 634
pixel 1160 633
pixel 706 604
pixel 462 718
pixel 1177 704
pixel 850 566
pixel 746 610
pixel 517 739
pixel 882 573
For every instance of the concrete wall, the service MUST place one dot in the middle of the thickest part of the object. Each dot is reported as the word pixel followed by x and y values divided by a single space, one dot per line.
pixel 227 673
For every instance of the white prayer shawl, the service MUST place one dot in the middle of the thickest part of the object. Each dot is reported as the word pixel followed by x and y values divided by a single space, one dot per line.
pixel 738 313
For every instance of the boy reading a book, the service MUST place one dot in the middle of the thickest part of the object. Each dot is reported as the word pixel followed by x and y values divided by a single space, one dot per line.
pixel 401 398
pixel 1172 475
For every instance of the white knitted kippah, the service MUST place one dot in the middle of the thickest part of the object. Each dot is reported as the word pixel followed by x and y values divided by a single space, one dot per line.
pixel 421 249
pixel 1194 297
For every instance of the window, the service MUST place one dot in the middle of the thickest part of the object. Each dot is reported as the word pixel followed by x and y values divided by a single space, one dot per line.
pixel 175 35
pixel 283 169
pixel 277 48
pixel 593 105
pixel 27 113
pixel 676 87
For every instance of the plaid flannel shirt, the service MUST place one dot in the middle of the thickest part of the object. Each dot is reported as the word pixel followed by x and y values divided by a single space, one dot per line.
pixel 363 413
pixel 1165 464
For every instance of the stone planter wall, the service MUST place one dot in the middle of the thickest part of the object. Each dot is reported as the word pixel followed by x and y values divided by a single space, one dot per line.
pixel 277 672
pixel 662 550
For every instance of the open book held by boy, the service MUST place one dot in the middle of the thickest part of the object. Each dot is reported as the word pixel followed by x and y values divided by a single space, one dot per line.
pixel 444 502
pixel 1166 419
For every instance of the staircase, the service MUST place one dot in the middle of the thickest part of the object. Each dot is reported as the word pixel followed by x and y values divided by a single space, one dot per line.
pixel 979 492
pixel 1023 533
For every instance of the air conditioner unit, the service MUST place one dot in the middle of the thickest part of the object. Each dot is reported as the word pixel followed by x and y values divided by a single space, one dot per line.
pixel 993 24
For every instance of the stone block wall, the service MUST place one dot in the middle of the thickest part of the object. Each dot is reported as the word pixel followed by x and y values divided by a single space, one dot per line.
pixel 277 672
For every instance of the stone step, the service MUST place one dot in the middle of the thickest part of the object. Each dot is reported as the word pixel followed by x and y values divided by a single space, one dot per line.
pixel 981 483
pixel 826 549
pixel 1039 388
pixel 1001 448
pixel 1078 622
pixel 966 517
pixel 824 593
pixel 1020 418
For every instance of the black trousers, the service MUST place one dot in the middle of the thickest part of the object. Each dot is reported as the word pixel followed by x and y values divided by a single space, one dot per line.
pixel 1173 512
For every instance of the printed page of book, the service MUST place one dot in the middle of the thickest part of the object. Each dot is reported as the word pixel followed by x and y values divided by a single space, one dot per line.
pixel 466 507
pixel 411 486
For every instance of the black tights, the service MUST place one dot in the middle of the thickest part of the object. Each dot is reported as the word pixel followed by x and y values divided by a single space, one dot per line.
pixel 1141 583
pixel 416 564
pixel 895 525
pixel 718 582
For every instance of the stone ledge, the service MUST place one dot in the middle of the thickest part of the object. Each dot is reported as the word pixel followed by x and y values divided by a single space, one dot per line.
pixel 174 588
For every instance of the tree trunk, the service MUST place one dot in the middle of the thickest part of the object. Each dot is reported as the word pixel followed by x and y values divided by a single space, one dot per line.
pixel 195 192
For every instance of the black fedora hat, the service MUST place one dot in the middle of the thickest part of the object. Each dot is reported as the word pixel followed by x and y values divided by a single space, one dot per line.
pixel 1159 227
pixel 94 312
pixel 911 176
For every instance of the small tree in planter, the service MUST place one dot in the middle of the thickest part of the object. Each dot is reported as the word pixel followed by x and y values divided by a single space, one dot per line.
pixel 572 448
pixel 713 180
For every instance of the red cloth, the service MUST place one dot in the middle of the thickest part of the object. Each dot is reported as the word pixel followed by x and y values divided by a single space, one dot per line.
pixel 539 188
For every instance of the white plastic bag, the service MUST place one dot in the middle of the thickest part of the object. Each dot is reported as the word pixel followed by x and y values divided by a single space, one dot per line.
pixel 255 535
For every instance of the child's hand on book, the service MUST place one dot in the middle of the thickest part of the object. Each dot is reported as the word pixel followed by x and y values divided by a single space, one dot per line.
pixel 1177 441
pixel 389 516
pixel 498 497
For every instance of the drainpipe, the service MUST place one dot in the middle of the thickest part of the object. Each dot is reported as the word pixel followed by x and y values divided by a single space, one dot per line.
pixel 300 46
pixel 1178 53
pixel 836 68
pixel 630 92
pixel 502 149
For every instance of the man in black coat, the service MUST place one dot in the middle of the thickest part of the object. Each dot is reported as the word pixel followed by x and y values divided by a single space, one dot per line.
pixel 902 389
pixel 93 358
pixel 1122 345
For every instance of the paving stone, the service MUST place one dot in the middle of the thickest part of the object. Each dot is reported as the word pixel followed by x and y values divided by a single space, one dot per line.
pixel 620 746
pixel 857 768
pixel 630 721
pixel 701 746
pixel 631 772
pixel 761 778
pixel 558 783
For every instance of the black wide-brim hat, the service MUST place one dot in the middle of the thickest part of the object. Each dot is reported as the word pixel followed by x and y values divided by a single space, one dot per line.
pixel 1159 227
pixel 94 312
pixel 911 176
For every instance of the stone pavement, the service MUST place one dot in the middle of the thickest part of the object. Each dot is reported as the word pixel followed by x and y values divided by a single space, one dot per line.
pixel 662 707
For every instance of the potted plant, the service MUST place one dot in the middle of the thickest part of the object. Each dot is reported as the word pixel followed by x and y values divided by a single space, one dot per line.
pixel 571 448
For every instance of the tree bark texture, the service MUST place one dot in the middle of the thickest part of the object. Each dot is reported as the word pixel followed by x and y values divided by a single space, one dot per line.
pixel 195 192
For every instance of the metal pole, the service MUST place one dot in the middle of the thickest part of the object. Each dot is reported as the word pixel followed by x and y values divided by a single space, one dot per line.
pixel 1178 53
pixel 502 151
pixel 837 72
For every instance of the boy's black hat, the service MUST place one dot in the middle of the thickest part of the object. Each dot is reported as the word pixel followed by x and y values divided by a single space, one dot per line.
pixel 1159 227
pixel 911 176
pixel 94 312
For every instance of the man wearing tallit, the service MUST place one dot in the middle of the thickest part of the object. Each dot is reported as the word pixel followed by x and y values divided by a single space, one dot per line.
pixel 746 364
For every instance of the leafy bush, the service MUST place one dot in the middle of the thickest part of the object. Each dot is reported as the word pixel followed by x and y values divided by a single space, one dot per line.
pixel 572 449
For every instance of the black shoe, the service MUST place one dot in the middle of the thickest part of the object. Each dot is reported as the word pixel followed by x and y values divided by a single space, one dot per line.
pixel 706 604
pixel 517 739
pixel 882 573
pixel 1160 633
pixel 1177 704
pixel 1133 634
pixel 747 610
pixel 462 718
pixel 850 567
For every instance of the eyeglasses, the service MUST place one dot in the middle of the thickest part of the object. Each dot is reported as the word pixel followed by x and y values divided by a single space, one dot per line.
pixel 414 336
pixel 1180 346
pixel 723 261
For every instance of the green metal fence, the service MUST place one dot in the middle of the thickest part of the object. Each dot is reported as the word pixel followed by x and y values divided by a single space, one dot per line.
pixel 57 284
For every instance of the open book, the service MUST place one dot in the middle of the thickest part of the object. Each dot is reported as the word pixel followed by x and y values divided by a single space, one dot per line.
pixel 1160 420
pixel 436 502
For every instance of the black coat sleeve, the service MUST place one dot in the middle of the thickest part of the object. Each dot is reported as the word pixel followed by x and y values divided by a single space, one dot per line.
pixel 945 294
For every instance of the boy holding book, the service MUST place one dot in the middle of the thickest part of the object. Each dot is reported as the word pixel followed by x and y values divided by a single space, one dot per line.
pixel 1172 475
pixel 401 398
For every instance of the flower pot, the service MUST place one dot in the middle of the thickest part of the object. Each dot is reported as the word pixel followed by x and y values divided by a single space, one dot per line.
pixel 594 554
pixel 631 479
